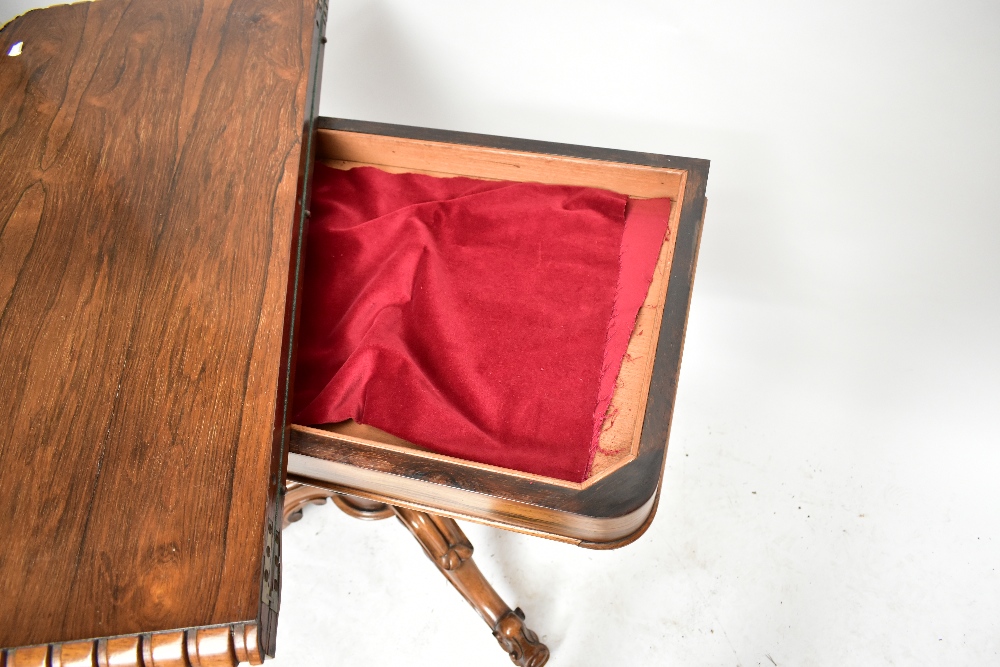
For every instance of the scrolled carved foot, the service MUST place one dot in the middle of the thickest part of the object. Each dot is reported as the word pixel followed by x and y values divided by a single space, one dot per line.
pixel 442 539
pixel 519 641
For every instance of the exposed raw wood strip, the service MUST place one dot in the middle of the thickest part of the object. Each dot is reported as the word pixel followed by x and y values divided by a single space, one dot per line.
pixel 442 159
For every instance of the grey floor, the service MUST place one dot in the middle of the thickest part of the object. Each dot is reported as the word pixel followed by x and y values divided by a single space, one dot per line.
pixel 831 493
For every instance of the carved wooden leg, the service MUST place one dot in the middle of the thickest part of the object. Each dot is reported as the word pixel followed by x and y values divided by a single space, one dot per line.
pixel 297 496
pixel 362 508
pixel 448 547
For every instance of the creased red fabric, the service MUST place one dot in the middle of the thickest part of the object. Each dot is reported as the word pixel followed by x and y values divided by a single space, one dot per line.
pixel 466 316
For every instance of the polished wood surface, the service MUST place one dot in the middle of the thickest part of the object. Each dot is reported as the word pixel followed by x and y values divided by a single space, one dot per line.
pixel 154 156
pixel 217 646
pixel 614 505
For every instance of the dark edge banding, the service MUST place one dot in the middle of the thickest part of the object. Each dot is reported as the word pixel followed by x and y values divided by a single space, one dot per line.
pixel 270 602
pixel 513 144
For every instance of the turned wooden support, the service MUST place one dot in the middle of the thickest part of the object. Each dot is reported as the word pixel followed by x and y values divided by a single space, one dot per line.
pixel 448 547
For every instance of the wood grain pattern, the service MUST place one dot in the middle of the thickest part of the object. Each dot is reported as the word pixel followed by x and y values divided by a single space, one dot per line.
pixel 153 162
pixel 616 496
pixel 434 488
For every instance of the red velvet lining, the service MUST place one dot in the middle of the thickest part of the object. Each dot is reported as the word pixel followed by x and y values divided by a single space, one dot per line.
pixel 475 318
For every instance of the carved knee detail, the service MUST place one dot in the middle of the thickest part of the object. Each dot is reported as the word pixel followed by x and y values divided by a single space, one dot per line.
pixel 459 548
pixel 442 539
pixel 519 641
pixel 455 557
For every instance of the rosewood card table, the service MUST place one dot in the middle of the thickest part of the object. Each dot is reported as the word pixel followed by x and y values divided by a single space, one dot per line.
pixel 157 160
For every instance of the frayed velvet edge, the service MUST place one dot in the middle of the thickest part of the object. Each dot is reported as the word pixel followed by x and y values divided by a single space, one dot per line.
pixel 603 412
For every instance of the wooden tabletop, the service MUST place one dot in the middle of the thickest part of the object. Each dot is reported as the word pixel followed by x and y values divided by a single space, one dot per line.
pixel 153 157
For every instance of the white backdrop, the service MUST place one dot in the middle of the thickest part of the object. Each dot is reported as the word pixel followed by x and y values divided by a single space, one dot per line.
pixel 831 493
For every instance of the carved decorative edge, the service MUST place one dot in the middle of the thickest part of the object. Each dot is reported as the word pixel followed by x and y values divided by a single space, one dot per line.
pixel 443 541
pixel 214 646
